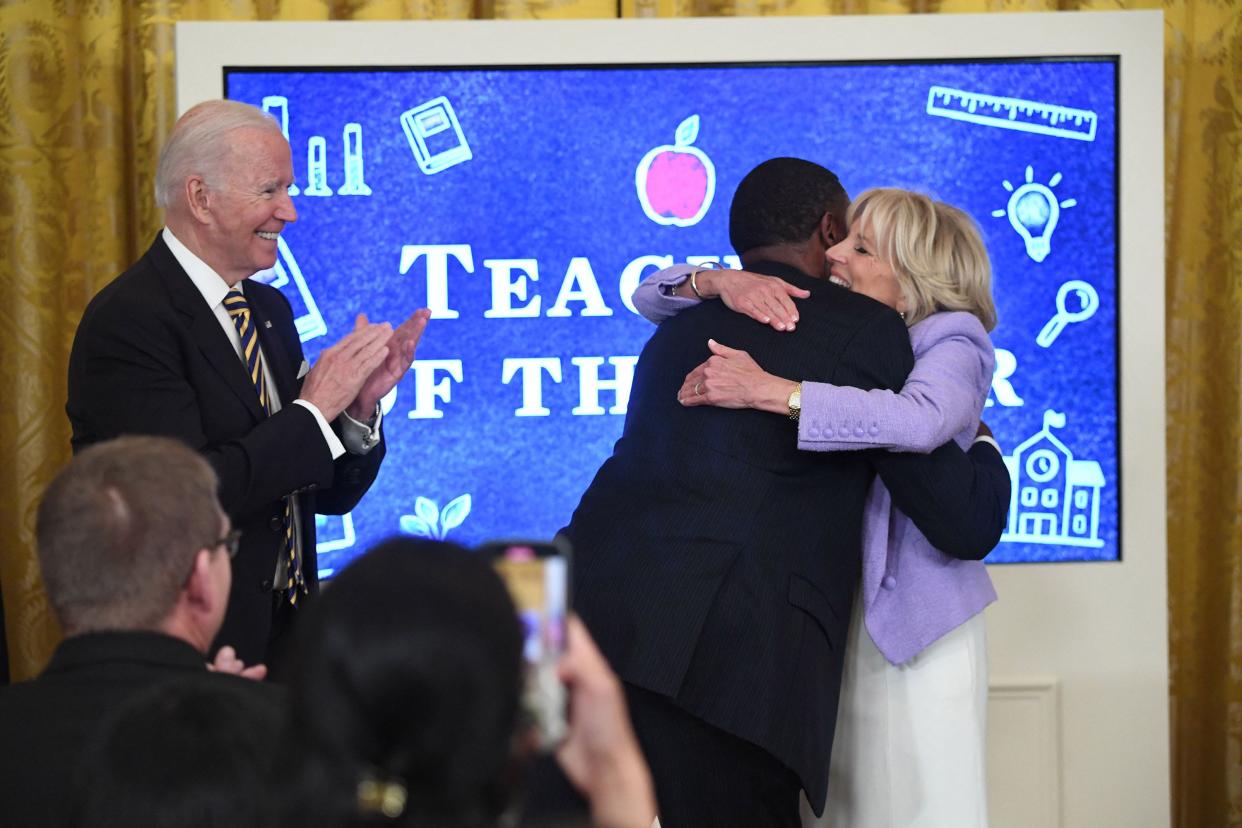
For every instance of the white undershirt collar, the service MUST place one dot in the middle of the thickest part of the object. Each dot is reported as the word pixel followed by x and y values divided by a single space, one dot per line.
pixel 209 283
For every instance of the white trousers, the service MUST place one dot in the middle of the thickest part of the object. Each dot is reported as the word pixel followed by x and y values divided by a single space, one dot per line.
pixel 909 749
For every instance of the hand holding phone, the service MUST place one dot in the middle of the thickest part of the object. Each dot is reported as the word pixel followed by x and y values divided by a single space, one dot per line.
pixel 537 575
pixel 601 757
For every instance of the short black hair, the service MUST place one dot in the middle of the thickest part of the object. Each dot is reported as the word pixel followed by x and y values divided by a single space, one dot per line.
pixel 194 752
pixel 781 201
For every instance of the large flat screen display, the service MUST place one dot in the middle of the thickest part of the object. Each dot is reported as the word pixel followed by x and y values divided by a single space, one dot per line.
pixel 523 202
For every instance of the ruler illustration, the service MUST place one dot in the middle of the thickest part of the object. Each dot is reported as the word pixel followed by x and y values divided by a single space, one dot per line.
pixel 1011 113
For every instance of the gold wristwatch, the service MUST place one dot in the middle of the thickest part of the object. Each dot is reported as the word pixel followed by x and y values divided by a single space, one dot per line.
pixel 795 402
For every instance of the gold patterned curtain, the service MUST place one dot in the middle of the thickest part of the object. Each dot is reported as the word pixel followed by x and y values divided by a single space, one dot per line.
pixel 87 95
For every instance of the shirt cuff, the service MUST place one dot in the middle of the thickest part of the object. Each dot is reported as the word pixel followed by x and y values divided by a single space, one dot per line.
pixel 668 289
pixel 334 443
pixel 672 277
pixel 359 437
pixel 983 438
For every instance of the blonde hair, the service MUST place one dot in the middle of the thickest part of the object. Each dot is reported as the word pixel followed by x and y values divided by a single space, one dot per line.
pixel 935 251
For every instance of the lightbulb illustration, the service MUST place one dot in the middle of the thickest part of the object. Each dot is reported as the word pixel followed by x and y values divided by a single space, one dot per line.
pixel 1034 211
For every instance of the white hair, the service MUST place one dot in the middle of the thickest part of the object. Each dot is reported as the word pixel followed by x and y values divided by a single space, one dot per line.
pixel 197 145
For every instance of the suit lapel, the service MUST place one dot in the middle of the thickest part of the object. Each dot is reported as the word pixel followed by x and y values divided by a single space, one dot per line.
pixel 204 327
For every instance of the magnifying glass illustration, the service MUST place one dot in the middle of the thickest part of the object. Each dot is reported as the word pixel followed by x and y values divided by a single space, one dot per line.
pixel 1087 300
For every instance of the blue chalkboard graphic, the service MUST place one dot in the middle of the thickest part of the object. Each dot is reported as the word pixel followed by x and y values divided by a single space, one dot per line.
pixel 528 254
pixel 287 277
pixel 333 532
pixel 1034 211
pixel 1011 113
pixel 1088 303
pixel 435 135
pixel 430 521
pixel 1056 499
pixel 676 183
pixel 278 107
pixel 354 183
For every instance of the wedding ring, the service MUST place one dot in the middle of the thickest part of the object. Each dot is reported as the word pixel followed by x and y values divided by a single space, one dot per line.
pixel 698 389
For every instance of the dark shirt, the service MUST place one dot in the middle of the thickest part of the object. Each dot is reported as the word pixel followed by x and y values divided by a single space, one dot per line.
pixel 46 723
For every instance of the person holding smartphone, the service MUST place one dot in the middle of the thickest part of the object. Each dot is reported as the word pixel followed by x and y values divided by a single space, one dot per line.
pixel 407 707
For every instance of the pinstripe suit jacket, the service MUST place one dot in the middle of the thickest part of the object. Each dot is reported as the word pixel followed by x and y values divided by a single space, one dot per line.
pixel 716 564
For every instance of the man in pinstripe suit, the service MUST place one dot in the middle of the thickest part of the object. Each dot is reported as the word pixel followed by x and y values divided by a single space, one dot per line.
pixel 716 564
pixel 160 351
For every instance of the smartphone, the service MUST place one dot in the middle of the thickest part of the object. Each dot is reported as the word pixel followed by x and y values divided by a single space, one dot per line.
pixel 537 575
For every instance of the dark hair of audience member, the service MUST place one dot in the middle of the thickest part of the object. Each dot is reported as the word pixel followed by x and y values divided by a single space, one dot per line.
pixel 189 753
pixel 781 201
pixel 405 684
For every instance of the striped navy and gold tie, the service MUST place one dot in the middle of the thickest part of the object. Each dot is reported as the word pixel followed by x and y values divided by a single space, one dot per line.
pixel 239 311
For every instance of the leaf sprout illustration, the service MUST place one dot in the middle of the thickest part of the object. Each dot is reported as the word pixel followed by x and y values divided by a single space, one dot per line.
pixel 429 521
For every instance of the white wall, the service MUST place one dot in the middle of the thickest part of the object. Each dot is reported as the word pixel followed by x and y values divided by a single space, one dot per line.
pixel 1079 652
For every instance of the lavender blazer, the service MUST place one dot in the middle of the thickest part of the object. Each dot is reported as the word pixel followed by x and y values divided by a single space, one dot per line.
pixel 912 593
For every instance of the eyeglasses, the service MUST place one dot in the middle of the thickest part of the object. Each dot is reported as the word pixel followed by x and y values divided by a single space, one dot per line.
pixel 231 543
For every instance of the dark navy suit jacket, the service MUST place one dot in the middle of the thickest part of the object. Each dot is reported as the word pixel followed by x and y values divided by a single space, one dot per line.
pixel 716 564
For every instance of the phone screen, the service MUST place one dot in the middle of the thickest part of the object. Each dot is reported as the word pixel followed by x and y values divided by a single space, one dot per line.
pixel 537 575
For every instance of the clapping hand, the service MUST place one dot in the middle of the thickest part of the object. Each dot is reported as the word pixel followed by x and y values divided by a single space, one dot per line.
pixel 401 346
pixel 338 375
pixel 226 661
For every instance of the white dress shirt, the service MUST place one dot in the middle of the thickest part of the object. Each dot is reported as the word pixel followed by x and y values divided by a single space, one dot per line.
pixel 360 438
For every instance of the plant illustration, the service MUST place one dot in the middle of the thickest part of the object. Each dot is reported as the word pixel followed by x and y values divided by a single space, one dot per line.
pixel 430 521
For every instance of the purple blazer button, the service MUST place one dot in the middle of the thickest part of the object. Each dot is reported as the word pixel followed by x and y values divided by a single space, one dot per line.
pixel 889 582
pixel 812 432
pixel 858 432
pixel 874 430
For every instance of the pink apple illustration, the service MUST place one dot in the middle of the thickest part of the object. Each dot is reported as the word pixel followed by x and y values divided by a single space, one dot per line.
pixel 676 183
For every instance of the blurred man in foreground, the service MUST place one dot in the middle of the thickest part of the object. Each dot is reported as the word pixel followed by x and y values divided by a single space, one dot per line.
pixel 134 550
